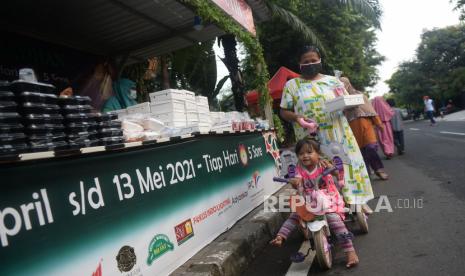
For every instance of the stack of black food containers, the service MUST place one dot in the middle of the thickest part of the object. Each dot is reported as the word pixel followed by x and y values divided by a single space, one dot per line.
pixel 81 124
pixel 43 121
pixel 12 136
pixel 40 115
pixel 34 119
pixel 109 129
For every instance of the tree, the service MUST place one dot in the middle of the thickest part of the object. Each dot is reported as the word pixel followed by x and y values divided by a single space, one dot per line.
pixel 287 12
pixel 231 62
pixel 438 69
pixel 460 6
pixel 348 37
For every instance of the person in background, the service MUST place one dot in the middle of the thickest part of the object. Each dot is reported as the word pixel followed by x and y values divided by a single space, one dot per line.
pixel 429 109
pixel 385 136
pixel 125 95
pixel 397 127
pixel 362 120
pixel 449 107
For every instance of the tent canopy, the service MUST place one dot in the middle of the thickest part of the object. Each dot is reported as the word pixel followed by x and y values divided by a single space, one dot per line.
pixel 136 29
pixel 275 85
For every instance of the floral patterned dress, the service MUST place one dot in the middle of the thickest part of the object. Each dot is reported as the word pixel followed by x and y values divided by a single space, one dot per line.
pixel 307 98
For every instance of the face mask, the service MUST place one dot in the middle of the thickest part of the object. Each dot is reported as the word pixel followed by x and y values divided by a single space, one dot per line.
pixel 133 94
pixel 310 70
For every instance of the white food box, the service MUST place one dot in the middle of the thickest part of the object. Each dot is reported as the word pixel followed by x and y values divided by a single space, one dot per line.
pixel 222 127
pixel 190 106
pixel 167 95
pixel 189 95
pixel 176 124
pixel 170 117
pixel 121 113
pixel 192 116
pixel 167 106
pixel 204 118
pixel 217 117
pixel 142 108
pixel 343 102
pixel 201 100
pixel 203 108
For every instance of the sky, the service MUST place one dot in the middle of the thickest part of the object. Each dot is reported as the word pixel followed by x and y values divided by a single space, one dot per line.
pixel 402 23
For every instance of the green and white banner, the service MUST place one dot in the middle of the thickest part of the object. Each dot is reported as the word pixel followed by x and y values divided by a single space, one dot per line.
pixel 144 211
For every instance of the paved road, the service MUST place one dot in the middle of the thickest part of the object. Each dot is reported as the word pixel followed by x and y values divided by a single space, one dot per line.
pixel 410 240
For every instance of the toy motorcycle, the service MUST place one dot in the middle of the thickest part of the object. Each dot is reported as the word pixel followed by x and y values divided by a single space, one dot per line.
pixel 315 228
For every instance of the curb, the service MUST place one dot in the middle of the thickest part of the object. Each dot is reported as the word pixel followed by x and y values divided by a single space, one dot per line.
pixel 232 252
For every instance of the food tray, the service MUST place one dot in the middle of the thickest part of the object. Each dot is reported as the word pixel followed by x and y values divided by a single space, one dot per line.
pixel 8 106
pixel 36 97
pixel 20 86
pixel 11 128
pixel 43 128
pixel 7 96
pixel 80 117
pixel 71 109
pixel 81 127
pixel 81 136
pixel 110 132
pixel 51 137
pixel 10 118
pixel 111 141
pixel 12 138
pixel 43 119
pixel 48 146
pixel 84 144
pixel 106 117
pixel 74 100
pixel 110 124
pixel 39 108
pixel 13 148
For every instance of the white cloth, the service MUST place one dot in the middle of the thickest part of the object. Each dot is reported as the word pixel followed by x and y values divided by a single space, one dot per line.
pixel 429 105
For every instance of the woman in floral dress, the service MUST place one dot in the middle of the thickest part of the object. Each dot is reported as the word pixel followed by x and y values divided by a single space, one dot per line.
pixel 305 97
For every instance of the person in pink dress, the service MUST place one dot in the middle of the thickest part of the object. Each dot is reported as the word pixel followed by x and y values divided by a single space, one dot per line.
pixel 309 168
pixel 385 137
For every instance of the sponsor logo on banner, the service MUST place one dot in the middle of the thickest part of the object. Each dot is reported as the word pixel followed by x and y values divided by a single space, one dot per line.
pixel 126 258
pixel 272 148
pixel 159 246
pixel 253 183
pixel 211 211
pixel 243 155
pixel 184 231
pixel 98 272
pixel 238 198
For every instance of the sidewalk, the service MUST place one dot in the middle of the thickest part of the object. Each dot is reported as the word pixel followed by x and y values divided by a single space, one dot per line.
pixel 457 116
pixel 234 250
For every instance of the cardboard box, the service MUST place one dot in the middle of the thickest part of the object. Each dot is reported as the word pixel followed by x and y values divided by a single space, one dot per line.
pixel 343 102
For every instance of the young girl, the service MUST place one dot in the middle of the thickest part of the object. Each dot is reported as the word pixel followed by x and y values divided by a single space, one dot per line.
pixel 309 168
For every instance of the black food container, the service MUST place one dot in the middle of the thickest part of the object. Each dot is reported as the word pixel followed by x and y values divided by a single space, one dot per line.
pixel 36 97
pixel 8 106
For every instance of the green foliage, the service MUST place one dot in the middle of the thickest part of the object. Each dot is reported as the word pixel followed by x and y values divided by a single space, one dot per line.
pixel 460 6
pixel 349 38
pixel 438 69
pixel 194 69
pixel 210 13
pixel 279 128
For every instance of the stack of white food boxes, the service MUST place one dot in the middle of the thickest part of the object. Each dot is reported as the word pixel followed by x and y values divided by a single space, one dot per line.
pixel 181 109
pixel 169 106
pixel 203 113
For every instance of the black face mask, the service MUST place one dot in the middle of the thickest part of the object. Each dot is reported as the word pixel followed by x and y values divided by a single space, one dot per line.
pixel 310 70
